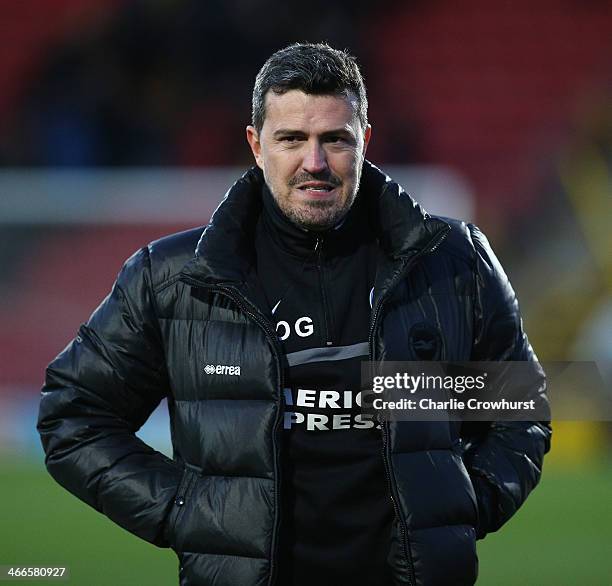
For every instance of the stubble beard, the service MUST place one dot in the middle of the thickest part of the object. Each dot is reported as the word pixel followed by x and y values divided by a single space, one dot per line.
pixel 317 215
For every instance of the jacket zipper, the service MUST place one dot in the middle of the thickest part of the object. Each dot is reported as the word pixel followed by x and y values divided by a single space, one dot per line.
pixel 260 320
pixel 319 252
pixel 431 246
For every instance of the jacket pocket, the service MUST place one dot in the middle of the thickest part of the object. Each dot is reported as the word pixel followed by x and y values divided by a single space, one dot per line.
pixel 475 503
pixel 181 500
pixel 471 491
pixel 397 559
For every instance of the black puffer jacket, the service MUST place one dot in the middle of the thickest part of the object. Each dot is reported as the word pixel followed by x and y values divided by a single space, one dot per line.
pixel 170 315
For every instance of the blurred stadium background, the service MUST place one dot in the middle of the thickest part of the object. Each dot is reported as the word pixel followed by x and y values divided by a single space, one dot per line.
pixel 122 121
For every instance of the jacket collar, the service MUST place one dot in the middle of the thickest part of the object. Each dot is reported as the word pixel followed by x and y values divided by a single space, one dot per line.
pixel 225 252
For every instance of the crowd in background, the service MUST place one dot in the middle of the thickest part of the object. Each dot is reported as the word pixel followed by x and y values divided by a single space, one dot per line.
pixel 163 83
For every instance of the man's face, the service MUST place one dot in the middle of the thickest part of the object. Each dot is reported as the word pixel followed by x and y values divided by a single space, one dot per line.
pixel 311 150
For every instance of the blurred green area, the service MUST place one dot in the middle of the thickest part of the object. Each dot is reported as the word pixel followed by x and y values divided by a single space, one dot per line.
pixel 43 524
pixel 561 536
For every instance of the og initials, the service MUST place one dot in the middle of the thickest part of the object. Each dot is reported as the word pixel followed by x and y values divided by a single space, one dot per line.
pixel 303 328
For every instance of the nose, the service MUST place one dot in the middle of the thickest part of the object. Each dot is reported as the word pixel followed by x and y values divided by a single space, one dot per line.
pixel 315 158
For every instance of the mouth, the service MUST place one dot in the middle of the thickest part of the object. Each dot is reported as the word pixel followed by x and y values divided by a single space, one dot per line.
pixel 316 188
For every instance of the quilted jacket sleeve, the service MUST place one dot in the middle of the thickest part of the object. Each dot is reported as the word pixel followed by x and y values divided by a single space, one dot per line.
pixel 98 392
pixel 504 458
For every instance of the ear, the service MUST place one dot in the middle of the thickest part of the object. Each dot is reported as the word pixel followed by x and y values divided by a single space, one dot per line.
pixel 366 138
pixel 252 137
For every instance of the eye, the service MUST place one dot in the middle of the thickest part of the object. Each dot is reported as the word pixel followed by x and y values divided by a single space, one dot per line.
pixel 340 140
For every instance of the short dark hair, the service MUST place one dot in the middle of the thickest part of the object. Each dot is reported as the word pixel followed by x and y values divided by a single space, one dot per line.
pixel 314 69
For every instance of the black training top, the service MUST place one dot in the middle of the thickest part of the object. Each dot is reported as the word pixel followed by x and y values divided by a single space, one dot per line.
pixel 337 511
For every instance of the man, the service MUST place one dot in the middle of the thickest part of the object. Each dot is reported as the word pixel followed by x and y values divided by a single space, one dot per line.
pixel 314 261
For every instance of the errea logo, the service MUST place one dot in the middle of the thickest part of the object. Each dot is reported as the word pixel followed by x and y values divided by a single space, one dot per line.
pixel 222 369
